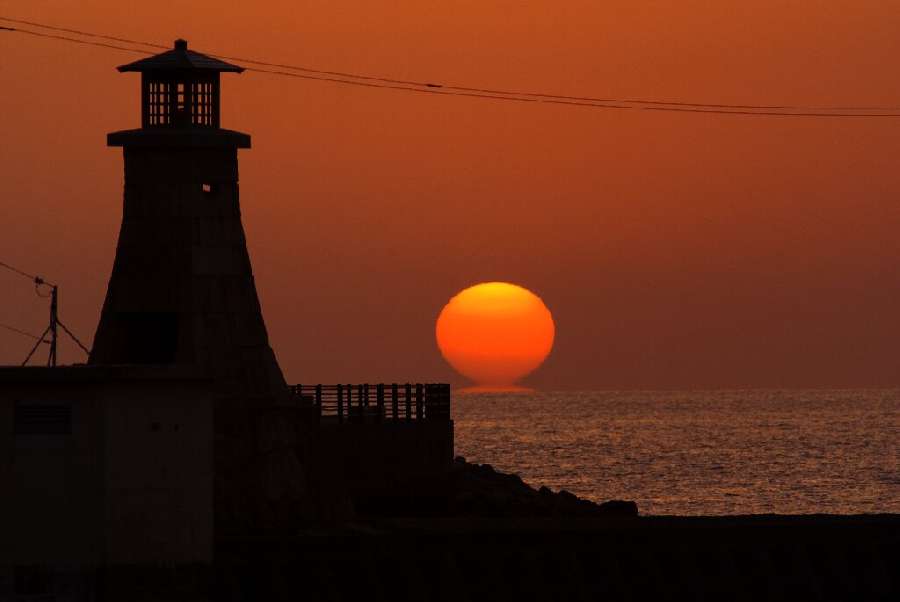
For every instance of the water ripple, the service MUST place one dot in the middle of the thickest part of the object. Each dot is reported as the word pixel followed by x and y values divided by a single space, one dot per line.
pixel 722 452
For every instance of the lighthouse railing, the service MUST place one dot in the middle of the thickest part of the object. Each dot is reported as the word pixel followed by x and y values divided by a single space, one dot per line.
pixel 382 402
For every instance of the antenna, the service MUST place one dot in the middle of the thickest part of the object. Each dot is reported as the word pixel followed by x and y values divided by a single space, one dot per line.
pixel 55 323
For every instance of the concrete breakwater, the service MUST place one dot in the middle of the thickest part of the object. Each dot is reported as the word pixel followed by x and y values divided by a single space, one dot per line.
pixel 479 490
pixel 638 558
pixel 490 536
pixel 498 559
pixel 467 489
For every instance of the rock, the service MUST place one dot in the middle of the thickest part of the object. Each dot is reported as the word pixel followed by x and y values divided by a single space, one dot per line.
pixel 480 490
pixel 513 480
pixel 619 508
pixel 567 496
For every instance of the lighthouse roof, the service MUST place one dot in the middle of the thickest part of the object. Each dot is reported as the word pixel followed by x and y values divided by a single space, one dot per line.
pixel 180 59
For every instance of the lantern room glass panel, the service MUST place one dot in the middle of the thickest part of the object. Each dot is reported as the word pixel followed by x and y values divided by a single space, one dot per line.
pixel 180 102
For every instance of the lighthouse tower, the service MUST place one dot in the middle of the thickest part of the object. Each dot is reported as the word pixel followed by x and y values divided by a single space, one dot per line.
pixel 182 291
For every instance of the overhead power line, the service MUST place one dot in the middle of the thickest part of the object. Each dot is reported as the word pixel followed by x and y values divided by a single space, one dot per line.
pixel 78 32
pixel 429 84
pixel 429 87
pixel 37 280
pixel 18 271
pixel 55 322
pixel 22 332
pixel 69 39
pixel 74 338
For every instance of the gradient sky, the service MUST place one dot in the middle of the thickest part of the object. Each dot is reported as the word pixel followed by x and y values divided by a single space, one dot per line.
pixel 674 250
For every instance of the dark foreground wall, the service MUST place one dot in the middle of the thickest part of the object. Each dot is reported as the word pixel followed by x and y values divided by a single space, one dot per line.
pixel 386 464
pixel 755 558
pixel 748 558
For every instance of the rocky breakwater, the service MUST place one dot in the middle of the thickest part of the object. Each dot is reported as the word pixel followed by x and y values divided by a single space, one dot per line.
pixel 478 490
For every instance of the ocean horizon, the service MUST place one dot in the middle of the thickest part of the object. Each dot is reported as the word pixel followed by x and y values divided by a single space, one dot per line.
pixel 703 452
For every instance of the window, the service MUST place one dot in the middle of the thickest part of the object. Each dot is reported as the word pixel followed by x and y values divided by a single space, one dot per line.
pixel 159 96
pixel 182 103
pixel 208 189
pixel 42 418
pixel 202 104
pixel 146 337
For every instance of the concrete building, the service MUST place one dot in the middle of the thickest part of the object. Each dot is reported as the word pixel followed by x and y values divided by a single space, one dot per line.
pixel 101 466
pixel 105 465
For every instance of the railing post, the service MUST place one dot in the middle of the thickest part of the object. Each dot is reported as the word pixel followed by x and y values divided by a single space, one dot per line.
pixel 419 400
pixel 359 402
pixel 379 400
pixel 394 401
pixel 318 403
pixel 350 415
pixel 340 401
pixel 408 401
pixel 437 402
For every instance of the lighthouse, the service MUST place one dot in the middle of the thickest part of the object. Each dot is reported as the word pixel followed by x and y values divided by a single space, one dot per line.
pixel 182 292
pixel 182 288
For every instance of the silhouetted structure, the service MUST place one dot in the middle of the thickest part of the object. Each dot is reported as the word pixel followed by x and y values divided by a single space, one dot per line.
pixel 182 289
pixel 182 411
pixel 377 404
pixel 105 465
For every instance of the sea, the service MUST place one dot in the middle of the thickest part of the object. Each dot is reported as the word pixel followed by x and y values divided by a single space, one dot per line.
pixel 695 452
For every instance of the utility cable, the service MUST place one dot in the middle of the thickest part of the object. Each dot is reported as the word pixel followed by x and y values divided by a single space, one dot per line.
pixel 18 271
pixel 22 332
pixel 36 345
pixel 448 91
pixel 37 280
pixel 429 84
pixel 79 32
pixel 74 40
pixel 74 338
pixel 370 81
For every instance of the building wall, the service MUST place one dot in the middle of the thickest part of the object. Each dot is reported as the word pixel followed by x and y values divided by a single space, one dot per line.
pixel 388 467
pixel 158 476
pixel 130 482
pixel 182 288
pixel 51 505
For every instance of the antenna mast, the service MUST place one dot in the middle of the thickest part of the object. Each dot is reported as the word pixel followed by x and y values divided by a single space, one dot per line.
pixel 53 328
pixel 54 321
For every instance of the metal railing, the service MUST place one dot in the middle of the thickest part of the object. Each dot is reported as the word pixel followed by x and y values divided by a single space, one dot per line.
pixel 392 402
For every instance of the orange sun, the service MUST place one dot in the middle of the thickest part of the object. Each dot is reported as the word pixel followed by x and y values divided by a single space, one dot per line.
pixel 495 333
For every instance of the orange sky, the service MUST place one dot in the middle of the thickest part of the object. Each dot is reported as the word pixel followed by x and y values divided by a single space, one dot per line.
pixel 673 250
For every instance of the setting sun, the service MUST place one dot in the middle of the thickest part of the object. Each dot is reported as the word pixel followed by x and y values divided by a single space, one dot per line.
pixel 495 333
